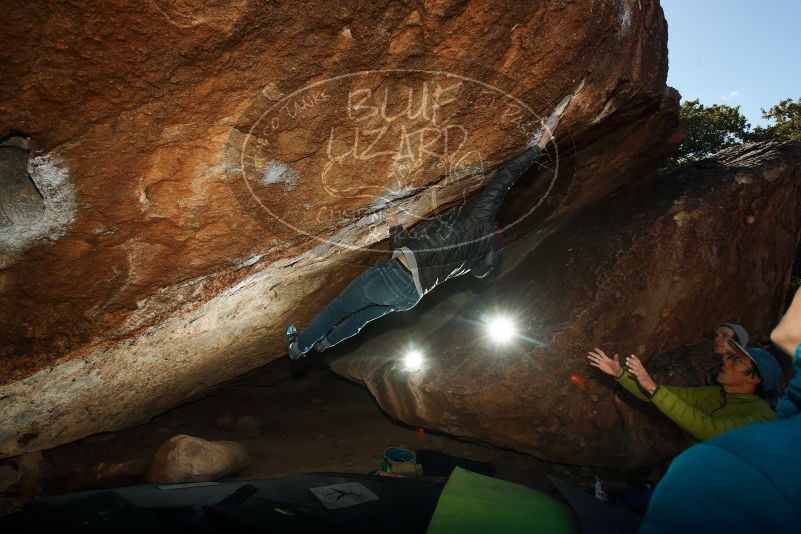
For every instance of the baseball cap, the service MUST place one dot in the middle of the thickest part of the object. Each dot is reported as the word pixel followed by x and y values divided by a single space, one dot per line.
pixel 766 365
pixel 739 332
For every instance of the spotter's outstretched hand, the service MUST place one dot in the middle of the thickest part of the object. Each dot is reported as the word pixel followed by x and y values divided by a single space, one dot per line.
pixel 610 366
pixel 787 334
pixel 637 368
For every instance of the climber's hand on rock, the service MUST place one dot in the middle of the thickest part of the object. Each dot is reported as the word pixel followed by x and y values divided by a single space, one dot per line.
pixel 391 217
pixel 636 368
pixel 610 366
pixel 547 131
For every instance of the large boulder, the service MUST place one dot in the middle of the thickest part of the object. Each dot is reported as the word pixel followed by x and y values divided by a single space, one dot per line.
pixel 186 180
pixel 185 458
pixel 644 271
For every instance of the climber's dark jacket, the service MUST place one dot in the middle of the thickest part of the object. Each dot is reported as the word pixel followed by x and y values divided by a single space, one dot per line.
pixel 458 243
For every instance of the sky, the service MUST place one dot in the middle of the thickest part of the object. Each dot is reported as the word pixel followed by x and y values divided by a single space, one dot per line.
pixel 743 53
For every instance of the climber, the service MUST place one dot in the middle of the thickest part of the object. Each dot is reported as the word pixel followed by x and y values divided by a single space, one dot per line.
pixel 704 412
pixel 431 253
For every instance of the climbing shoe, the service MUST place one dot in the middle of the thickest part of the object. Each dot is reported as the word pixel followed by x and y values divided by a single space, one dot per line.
pixel 294 351
pixel 292 342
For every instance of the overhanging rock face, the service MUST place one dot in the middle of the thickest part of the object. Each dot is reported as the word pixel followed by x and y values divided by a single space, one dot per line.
pixel 217 170
pixel 643 271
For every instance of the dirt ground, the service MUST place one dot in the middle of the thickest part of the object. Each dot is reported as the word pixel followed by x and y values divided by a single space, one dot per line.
pixel 310 421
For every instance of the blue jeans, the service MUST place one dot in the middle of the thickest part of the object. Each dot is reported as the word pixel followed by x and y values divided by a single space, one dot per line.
pixel 379 290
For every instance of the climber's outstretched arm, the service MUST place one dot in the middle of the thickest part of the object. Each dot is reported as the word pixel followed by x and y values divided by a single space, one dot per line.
pixel 491 197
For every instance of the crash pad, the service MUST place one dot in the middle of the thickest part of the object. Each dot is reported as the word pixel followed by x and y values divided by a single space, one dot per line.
pixel 476 503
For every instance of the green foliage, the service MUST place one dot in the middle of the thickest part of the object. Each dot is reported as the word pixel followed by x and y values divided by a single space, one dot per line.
pixel 709 129
pixel 716 127
pixel 787 117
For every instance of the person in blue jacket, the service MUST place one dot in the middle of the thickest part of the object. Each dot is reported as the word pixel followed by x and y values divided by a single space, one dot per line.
pixel 746 480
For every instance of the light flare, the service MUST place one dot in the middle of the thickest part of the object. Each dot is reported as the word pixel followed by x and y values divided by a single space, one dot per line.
pixel 413 360
pixel 501 329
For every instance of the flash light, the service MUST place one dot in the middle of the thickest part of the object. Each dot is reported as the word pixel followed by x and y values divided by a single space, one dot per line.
pixel 501 329
pixel 414 360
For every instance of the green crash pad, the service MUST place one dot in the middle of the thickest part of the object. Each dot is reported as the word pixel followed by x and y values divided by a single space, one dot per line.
pixel 476 503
